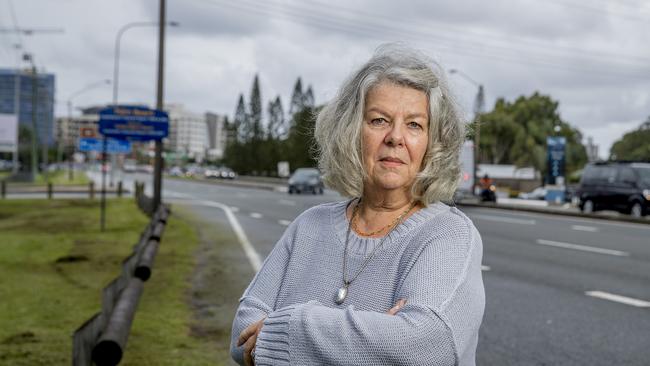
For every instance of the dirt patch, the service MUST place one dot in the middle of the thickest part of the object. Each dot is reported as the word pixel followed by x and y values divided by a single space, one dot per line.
pixel 71 259
pixel 221 275
pixel 21 338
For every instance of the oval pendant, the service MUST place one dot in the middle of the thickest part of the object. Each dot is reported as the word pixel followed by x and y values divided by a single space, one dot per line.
pixel 341 294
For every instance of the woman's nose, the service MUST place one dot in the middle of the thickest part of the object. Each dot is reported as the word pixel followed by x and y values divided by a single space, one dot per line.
pixel 395 137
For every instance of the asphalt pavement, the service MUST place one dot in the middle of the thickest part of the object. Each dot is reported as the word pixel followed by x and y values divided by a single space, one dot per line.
pixel 560 290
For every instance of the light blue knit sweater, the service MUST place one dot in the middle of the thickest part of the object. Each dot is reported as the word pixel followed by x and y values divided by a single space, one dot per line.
pixel 432 259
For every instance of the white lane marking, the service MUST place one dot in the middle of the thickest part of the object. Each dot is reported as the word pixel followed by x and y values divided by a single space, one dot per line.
pixel 287 202
pixel 249 250
pixel 591 229
pixel 584 248
pixel 485 268
pixel 564 218
pixel 256 215
pixel 284 222
pixel 234 209
pixel 618 298
pixel 508 220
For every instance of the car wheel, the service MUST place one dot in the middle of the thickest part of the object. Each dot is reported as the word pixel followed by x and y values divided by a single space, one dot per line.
pixel 636 210
pixel 588 207
pixel 290 190
pixel 320 190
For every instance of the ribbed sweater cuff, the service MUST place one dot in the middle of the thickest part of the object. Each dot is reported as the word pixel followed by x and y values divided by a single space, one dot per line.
pixel 272 347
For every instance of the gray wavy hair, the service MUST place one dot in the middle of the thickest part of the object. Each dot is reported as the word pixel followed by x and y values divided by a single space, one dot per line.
pixel 339 124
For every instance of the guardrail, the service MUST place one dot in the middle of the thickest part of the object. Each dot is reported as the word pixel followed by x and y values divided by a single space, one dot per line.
pixel 102 338
pixel 50 189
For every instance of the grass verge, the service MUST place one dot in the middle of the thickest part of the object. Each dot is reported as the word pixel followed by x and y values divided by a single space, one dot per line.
pixel 54 263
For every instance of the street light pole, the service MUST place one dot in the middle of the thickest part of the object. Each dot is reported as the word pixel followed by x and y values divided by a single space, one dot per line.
pixel 479 103
pixel 157 181
pixel 69 103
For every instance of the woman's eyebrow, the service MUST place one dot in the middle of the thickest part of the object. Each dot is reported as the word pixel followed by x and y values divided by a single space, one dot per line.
pixel 377 110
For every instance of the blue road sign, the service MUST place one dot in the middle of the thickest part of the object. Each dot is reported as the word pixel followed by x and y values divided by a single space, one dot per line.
pixel 556 157
pixel 113 146
pixel 133 123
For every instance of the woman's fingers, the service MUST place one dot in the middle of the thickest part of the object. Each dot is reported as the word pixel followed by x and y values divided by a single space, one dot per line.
pixel 399 305
pixel 246 333
pixel 249 345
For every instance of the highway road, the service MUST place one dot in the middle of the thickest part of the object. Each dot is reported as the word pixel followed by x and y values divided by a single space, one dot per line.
pixel 560 290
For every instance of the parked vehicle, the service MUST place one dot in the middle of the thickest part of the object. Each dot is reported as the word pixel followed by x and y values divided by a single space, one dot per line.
pixel 538 193
pixel 306 180
pixel 227 173
pixel 623 187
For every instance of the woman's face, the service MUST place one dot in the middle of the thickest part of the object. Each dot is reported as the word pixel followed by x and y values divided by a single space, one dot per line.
pixel 395 135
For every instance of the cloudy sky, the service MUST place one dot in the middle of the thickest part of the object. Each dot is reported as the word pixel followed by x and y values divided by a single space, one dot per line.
pixel 593 56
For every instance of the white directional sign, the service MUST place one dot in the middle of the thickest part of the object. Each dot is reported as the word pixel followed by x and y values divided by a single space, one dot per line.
pixel 8 132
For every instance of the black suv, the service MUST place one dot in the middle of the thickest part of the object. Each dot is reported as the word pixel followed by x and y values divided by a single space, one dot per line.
pixel 623 187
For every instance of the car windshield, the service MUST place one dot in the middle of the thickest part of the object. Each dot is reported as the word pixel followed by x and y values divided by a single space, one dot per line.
pixel 305 174
pixel 644 174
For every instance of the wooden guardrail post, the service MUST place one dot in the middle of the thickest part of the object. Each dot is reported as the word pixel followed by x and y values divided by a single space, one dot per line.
pixel 91 190
pixel 3 189
pixel 119 189
pixel 49 190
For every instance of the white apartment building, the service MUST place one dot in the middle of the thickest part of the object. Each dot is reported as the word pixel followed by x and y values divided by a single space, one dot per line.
pixel 188 133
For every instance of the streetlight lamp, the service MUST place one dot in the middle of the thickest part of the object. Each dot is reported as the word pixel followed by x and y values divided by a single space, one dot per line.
pixel 69 103
pixel 116 63
pixel 479 103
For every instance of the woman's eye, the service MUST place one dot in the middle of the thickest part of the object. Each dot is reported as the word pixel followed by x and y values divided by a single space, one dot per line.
pixel 377 121
pixel 414 125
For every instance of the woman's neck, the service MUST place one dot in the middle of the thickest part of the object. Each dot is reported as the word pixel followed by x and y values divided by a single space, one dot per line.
pixel 375 213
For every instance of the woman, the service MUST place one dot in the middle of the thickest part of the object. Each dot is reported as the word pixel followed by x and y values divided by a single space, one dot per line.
pixel 391 276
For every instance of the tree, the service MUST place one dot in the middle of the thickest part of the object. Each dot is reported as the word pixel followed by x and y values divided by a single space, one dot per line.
pixel 516 132
pixel 240 123
pixel 300 143
pixel 255 111
pixel 277 128
pixel 308 98
pixel 634 146
pixel 297 100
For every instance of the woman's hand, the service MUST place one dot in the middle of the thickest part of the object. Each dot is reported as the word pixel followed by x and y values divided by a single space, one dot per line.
pixel 398 306
pixel 248 337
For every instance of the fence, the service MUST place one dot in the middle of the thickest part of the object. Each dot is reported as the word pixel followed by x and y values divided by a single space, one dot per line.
pixel 102 338
pixel 50 189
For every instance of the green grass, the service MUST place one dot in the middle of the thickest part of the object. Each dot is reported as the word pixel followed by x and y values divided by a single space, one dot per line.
pixel 54 263
pixel 60 177
pixel 4 175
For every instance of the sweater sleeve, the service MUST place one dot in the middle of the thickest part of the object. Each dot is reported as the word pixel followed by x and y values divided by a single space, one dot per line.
pixel 438 326
pixel 260 297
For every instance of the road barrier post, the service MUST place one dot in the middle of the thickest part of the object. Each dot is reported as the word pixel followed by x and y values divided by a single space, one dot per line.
pixel 3 189
pixel 49 190
pixel 91 190
pixel 119 189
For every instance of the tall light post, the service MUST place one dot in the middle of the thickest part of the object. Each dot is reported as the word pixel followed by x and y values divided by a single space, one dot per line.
pixel 69 103
pixel 118 38
pixel 116 64
pixel 479 103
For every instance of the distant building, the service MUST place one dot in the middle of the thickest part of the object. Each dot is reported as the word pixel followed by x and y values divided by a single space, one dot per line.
pixel 216 135
pixel 592 150
pixel 20 83
pixel 188 135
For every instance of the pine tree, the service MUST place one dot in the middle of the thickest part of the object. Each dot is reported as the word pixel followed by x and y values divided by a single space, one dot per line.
pixel 297 101
pixel 240 123
pixel 256 111
pixel 277 128
pixel 308 98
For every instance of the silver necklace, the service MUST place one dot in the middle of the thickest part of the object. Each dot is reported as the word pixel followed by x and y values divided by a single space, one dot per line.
pixel 342 292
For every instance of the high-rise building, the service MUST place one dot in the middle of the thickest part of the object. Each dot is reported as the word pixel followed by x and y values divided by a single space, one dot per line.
pixel 216 135
pixel 31 92
pixel 188 135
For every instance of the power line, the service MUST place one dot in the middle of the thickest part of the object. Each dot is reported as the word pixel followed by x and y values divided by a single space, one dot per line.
pixel 470 48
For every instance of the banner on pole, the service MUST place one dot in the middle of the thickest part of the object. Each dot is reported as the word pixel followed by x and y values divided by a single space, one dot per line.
pixel 8 133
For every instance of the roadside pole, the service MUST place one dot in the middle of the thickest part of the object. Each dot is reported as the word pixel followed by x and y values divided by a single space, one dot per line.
pixel 157 181
pixel 103 199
